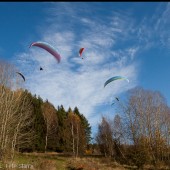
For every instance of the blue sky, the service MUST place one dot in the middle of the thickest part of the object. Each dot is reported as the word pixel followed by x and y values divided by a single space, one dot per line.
pixel 130 39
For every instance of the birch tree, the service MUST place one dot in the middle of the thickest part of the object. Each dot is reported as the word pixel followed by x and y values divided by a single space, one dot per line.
pixel 15 113
pixel 146 122
pixel 51 120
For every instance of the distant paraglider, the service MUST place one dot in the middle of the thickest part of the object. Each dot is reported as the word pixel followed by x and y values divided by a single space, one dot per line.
pixel 21 75
pixel 117 98
pixel 115 78
pixel 81 51
pixel 114 102
pixel 41 68
pixel 48 48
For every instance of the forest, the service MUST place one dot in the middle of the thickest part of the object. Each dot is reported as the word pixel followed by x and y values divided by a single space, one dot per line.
pixel 138 136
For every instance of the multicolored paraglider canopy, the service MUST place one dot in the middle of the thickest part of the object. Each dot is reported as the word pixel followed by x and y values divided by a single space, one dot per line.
pixel 115 78
pixel 48 48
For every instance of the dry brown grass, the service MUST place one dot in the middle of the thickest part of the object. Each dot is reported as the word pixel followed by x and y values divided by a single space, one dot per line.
pixel 55 161
pixel 44 164
pixel 92 164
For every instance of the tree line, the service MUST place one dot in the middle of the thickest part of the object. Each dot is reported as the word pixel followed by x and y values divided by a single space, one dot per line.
pixel 29 124
pixel 139 134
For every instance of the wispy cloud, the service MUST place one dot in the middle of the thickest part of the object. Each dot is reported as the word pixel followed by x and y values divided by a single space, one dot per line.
pixel 153 31
pixel 162 23
pixel 75 81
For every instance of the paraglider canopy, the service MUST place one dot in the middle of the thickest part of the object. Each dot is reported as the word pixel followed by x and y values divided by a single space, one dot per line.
pixel 48 48
pixel 21 75
pixel 115 78
pixel 112 104
pixel 81 51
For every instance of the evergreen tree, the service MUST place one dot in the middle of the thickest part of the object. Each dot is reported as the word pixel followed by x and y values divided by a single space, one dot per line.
pixel 39 125
pixel 85 124
pixel 60 141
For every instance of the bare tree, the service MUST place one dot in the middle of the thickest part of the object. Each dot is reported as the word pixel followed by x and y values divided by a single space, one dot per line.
pixel 146 123
pixel 104 138
pixel 118 136
pixel 51 120
pixel 15 113
pixel 74 133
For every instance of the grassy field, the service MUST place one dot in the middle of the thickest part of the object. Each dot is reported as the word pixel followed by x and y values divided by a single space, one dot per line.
pixel 54 161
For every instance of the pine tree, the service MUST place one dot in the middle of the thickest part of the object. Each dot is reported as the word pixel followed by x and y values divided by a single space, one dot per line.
pixel 39 125
pixel 60 141
pixel 85 124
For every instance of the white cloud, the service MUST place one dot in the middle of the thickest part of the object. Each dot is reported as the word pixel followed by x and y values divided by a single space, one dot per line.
pixel 163 26
pixel 77 82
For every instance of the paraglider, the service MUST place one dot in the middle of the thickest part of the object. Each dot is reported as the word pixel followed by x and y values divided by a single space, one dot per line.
pixel 41 68
pixel 48 48
pixel 21 75
pixel 114 102
pixel 117 98
pixel 115 78
pixel 81 51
